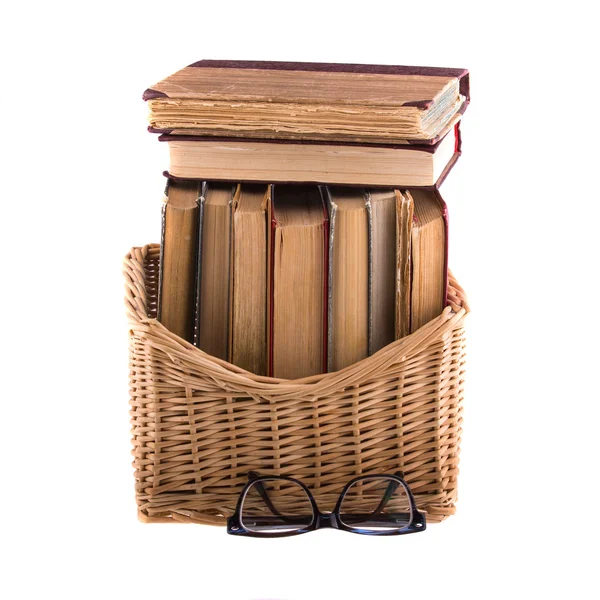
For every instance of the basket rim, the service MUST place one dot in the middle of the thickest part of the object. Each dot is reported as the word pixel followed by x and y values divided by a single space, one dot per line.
pixel 181 351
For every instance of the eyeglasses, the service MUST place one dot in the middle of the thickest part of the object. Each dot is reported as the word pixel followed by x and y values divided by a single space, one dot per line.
pixel 276 506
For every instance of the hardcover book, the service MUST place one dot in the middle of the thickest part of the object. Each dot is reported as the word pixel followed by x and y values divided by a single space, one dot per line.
pixel 212 296
pixel 429 256
pixel 310 101
pixel 297 282
pixel 177 273
pixel 248 314
pixel 297 161
pixel 403 272
pixel 384 245
pixel 349 273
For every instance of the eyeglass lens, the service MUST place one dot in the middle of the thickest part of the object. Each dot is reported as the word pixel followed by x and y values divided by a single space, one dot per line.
pixel 378 504
pixel 276 505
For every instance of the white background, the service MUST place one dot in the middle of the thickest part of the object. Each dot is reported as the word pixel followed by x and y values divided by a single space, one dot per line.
pixel 82 184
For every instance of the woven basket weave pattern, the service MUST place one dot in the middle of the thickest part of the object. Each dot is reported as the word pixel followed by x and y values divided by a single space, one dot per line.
pixel 199 424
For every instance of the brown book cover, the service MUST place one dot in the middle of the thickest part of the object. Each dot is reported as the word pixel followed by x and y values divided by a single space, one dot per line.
pixel 426 97
pixel 178 251
pixel 385 275
pixel 248 279
pixel 444 212
pixel 420 195
pixel 213 269
pixel 404 222
pixel 274 224
pixel 349 276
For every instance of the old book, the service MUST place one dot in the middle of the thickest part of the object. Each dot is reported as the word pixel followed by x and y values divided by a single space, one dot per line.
pixel 348 332
pixel 317 101
pixel 239 159
pixel 429 250
pixel 404 224
pixel 382 265
pixel 297 299
pixel 212 307
pixel 248 314
pixel 177 273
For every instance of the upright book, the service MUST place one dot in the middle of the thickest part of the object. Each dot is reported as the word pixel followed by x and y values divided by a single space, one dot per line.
pixel 248 297
pixel 310 101
pixel 297 282
pixel 348 295
pixel 429 256
pixel 213 293
pixel 179 241
pixel 403 272
pixel 384 277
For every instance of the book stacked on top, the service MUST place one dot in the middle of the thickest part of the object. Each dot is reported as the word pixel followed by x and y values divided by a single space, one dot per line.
pixel 303 228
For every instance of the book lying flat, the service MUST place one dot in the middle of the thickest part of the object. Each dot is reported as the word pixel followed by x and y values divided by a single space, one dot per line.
pixel 248 315
pixel 212 296
pixel 177 274
pixel 312 162
pixel 429 256
pixel 317 101
pixel 297 282
pixel 348 297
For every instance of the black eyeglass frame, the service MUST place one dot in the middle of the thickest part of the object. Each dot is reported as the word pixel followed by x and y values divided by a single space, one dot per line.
pixel 321 520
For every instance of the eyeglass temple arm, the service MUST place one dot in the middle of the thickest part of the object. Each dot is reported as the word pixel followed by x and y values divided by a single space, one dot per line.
pixel 389 492
pixel 263 493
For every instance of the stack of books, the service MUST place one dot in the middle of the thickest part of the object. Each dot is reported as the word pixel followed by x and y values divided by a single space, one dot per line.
pixel 303 228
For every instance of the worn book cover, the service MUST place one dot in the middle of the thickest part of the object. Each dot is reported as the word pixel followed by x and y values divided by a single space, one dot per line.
pixel 177 265
pixel 316 101
pixel 429 255
pixel 248 276
pixel 297 280
pixel 349 276
pixel 213 281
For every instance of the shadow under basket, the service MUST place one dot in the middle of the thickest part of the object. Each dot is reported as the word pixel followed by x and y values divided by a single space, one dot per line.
pixel 199 424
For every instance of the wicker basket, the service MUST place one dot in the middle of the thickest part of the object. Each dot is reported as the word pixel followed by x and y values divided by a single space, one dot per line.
pixel 200 423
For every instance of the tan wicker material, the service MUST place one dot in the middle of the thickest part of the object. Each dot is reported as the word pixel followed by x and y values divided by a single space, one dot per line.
pixel 200 423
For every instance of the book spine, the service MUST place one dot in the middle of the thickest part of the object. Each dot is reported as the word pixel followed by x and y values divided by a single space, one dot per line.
pixel 331 211
pixel 404 222
pixel 201 202
pixel 326 263
pixel 272 225
pixel 370 284
pixel 229 275
pixel 453 160
pixel 457 139
pixel 161 259
pixel 444 209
